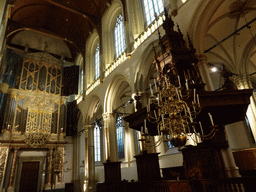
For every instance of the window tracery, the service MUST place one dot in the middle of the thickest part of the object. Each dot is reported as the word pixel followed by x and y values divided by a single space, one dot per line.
pixel 120 136
pixel 97 62
pixel 97 148
pixel 119 36
pixel 151 8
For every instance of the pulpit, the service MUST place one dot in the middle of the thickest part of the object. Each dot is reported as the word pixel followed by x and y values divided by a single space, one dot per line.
pixel 112 171
pixel 148 167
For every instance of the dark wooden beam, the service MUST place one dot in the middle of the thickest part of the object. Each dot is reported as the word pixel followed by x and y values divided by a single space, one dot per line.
pixel 92 18
pixel 32 50
pixel 20 27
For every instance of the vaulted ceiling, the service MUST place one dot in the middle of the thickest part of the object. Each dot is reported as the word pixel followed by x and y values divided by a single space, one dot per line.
pixel 70 21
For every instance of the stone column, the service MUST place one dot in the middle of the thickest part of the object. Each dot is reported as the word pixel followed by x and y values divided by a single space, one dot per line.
pixel 112 168
pixel 174 7
pixel 204 72
pixel 86 158
pixel 11 181
pixel 128 43
pixel 231 169
pixel 110 137
pixel 243 82
pixel 48 174
pixel 91 159
pixel 102 60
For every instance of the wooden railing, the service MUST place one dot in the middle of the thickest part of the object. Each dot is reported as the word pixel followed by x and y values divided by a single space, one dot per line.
pixel 242 184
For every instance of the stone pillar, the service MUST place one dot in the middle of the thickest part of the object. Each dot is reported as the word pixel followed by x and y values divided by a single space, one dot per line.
pixel 91 159
pixel 11 181
pixel 86 158
pixel 243 82
pixel 130 138
pixel 76 157
pixel 112 168
pixel 128 43
pixel 204 72
pixel 231 169
pixel 48 174
pixel 110 137
pixel 220 139
pixel 173 6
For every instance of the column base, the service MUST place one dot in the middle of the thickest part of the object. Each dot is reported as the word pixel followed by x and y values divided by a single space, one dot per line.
pixel 112 171
pixel 148 168
pixel 232 172
pixel 62 137
pixel 54 186
pixel 10 189
pixel 47 186
pixel 60 185
pixel 6 135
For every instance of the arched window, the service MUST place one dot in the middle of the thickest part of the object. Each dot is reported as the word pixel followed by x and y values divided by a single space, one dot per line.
pixel 120 136
pixel 151 7
pixel 81 77
pixel 169 142
pixel 97 61
pixel 97 153
pixel 119 36
pixel 138 142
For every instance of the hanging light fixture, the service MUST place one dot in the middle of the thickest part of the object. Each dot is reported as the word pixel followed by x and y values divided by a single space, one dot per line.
pixel 172 114
pixel 174 103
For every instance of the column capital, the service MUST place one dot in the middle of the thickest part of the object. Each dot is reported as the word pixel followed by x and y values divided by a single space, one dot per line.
pixel 202 58
pixel 86 127
pixel 16 149
pixel 107 115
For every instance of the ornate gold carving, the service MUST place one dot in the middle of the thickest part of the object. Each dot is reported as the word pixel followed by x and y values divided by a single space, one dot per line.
pixel 21 97
pixel 3 156
pixel 43 117
pixel 36 139
pixel 12 96
pixel 57 163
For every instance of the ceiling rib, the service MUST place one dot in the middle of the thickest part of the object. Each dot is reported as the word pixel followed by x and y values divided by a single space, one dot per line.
pixel 28 5
pixel 48 34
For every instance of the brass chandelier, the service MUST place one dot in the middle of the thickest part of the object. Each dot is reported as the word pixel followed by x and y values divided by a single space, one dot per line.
pixel 172 114
pixel 174 103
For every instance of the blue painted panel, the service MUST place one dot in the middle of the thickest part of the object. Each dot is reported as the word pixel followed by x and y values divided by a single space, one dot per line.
pixel 11 69
pixel 3 103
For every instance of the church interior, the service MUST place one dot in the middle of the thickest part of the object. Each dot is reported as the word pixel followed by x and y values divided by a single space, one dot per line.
pixel 124 95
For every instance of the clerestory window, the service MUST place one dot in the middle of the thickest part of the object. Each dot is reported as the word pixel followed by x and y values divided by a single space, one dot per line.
pixel 97 61
pixel 151 8
pixel 97 153
pixel 120 136
pixel 119 36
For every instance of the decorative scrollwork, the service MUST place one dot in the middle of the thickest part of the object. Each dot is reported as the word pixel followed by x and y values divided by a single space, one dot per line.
pixel 36 139
pixel 57 163
pixel 3 155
